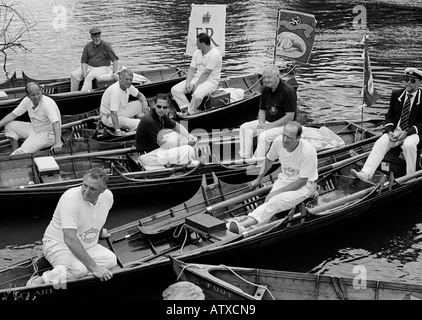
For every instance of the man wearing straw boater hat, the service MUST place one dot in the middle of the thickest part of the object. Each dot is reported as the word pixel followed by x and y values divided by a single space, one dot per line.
pixel 403 126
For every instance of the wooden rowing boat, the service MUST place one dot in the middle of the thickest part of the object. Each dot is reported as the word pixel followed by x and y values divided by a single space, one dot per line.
pixel 42 177
pixel 76 103
pixel 224 113
pixel 221 282
pixel 195 231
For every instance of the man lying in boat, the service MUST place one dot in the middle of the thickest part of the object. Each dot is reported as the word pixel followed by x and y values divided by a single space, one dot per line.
pixel 403 126
pixel 70 241
pixel 277 106
pixel 43 131
pixel 295 183
pixel 161 141
pixel 202 78
pixel 116 110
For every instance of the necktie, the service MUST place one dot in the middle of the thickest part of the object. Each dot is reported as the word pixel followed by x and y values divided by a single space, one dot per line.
pixel 404 119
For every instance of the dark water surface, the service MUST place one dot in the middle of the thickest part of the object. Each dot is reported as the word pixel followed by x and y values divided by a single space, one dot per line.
pixel 151 34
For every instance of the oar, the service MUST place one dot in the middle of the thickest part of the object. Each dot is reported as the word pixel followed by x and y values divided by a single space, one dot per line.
pixel 95 154
pixel 78 122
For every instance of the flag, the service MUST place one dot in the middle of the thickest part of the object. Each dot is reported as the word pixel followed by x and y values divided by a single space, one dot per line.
pixel 295 35
pixel 210 19
pixel 369 94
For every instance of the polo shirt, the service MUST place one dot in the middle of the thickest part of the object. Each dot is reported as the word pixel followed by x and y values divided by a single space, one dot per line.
pixel 148 129
pixel 276 104
pixel 43 116
pixel 98 56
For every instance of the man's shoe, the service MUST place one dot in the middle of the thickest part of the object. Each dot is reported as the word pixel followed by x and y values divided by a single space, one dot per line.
pixel 360 175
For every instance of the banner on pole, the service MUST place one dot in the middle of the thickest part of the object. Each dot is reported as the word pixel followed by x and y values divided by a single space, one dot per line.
pixel 210 19
pixel 295 35
pixel 369 94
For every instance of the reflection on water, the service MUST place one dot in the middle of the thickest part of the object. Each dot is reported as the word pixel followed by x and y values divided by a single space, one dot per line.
pixel 151 34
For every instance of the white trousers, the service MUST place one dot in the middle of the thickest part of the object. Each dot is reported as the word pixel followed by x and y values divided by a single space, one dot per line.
pixel 77 76
pixel 282 201
pixel 248 131
pixel 179 94
pixel 125 115
pixel 34 141
pixel 66 266
pixel 381 147
pixel 160 157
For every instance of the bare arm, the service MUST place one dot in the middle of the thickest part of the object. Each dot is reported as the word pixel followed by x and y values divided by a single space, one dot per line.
pixel 143 101
pixel 115 68
pixel 189 77
pixel 204 77
pixel 7 119
pixel 84 67
pixel 75 246
pixel 115 120
pixel 264 168
pixel 57 129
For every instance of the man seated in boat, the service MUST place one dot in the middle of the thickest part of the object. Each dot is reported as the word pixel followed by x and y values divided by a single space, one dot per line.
pixel 96 59
pixel 403 126
pixel 116 110
pixel 70 242
pixel 202 78
pixel 161 141
pixel 43 131
pixel 277 106
pixel 295 183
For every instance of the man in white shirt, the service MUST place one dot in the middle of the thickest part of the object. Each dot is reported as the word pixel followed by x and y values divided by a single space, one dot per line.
pixel 116 110
pixel 70 242
pixel 295 183
pixel 202 78
pixel 398 130
pixel 43 131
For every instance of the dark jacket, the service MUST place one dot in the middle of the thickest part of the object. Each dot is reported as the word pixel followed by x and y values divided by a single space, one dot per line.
pixel 393 114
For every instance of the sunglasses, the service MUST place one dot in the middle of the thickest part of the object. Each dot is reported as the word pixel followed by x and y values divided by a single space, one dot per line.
pixel 411 80
pixel 162 107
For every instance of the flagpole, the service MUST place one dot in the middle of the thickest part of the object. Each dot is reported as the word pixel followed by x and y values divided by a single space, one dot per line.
pixel 276 33
pixel 363 86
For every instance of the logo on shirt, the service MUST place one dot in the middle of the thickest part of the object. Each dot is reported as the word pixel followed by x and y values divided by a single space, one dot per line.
pixel 273 110
pixel 90 235
pixel 290 172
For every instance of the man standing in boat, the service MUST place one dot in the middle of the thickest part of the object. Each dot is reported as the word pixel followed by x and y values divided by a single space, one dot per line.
pixel 403 126
pixel 295 183
pixel 161 141
pixel 202 78
pixel 70 242
pixel 116 110
pixel 43 131
pixel 277 106
pixel 95 61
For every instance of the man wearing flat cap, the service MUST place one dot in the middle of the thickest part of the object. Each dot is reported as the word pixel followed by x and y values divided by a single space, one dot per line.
pixel 96 59
pixel 403 126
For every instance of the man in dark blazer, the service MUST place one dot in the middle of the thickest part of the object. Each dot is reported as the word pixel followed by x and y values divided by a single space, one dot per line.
pixel 398 131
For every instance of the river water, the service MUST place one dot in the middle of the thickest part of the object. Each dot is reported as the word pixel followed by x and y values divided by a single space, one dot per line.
pixel 151 34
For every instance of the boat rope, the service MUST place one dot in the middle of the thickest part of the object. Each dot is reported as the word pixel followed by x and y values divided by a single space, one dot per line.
pixel 176 234
pixel 251 283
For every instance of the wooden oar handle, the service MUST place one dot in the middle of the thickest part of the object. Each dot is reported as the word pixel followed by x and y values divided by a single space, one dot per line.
pixel 240 198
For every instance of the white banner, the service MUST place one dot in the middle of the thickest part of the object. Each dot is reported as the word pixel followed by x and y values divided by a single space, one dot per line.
pixel 210 19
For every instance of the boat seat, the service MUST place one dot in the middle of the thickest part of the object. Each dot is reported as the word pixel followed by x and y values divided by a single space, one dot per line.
pixel 48 169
